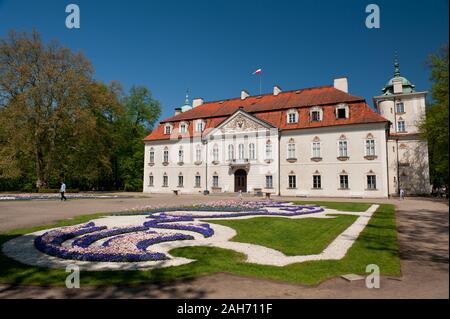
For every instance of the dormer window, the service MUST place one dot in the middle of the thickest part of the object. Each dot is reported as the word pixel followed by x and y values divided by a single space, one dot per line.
pixel 168 129
pixel 183 127
pixel 315 114
pixel 292 116
pixel 200 126
pixel 342 112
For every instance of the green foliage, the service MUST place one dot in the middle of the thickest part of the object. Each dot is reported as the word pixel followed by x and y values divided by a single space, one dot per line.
pixel 435 126
pixel 57 122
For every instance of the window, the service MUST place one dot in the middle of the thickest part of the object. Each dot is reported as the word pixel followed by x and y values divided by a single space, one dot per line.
pixel 215 181
pixel 183 127
pixel 317 181
pixel 291 150
pixel 152 156
pixel 215 153
pixel 150 180
pixel 165 180
pixel 315 116
pixel 269 181
pixel 292 116
pixel 371 182
pixel 400 107
pixel 198 154
pixel 168 129
pixel 197 180
pixel 343 181
pixel 316 149
pixel 241 151
pixel 370 147
pixel 180 180
pixel 251 150
pixel 292 181
pixel 343 149
pixel 342 111
pixel 401 127
pixel 166 156
pixel 199 126
pixel 230 152
pixel 180 155
pixel 268 150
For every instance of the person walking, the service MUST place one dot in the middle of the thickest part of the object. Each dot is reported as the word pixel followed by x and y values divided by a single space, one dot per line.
pixel 402 193
pixel 62 190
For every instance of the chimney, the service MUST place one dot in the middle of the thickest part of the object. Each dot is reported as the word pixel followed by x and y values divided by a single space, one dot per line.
pixel 341 84
pixel 197 102
pixel 244 94
pixel 276 90
pixel 398 86
pixel 178 110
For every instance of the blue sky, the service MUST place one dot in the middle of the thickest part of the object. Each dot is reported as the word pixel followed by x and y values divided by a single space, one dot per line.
pixel 213 46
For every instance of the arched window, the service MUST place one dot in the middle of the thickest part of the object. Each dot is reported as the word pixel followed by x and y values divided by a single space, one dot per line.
pixel 291 149
pixel 241 151
pixel 180 180
pixel 152 156
pixel 343 146
pixel 198 154
pixel 316 147
pixel 252 151
pixel 150 180
pixel 268 150
pixel 180 155
pixel 215 153
pixel 370 145
pixel 230 152
pixel 200 125
pixel 165 180
pixel 166 155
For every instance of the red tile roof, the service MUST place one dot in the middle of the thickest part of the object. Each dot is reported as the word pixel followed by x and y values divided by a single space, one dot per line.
pixel 272 109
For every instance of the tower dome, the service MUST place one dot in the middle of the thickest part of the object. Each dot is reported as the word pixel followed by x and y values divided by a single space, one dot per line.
pixel 407 86
pixel 187 106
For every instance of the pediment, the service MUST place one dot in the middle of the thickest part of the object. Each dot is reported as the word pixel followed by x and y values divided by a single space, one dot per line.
pixel 241 121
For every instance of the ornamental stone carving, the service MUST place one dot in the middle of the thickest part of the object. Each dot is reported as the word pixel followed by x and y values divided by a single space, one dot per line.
pixel 241 123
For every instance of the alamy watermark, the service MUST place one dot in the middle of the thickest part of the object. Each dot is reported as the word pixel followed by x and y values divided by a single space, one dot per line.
pixel 73 19
pixel 73 279
pixel 373 19
pixel 373 279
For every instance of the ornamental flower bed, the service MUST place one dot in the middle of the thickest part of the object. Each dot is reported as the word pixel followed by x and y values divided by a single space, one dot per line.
pixel 130 244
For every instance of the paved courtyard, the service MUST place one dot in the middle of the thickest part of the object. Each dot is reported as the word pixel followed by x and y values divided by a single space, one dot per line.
pixel 422 230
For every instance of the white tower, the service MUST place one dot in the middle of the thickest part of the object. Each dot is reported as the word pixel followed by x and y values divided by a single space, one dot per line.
pixel 404 107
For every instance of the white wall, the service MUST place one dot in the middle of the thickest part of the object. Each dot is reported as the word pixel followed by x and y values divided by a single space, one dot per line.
pixel 330 167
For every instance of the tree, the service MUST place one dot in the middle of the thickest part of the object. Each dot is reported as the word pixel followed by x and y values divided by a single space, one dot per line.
pixel 435 127
pixel 53 115
pixel 141 113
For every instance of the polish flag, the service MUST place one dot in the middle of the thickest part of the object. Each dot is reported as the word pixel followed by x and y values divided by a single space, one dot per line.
pixel 257 71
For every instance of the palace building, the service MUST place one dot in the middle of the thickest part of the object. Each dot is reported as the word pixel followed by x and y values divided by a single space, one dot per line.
pixel 319 141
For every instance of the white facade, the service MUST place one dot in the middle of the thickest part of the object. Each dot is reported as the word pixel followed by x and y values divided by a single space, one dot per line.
pixel 407 152
pixel 270 159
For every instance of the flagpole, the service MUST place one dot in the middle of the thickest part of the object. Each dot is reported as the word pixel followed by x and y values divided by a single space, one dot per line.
pixel 260 75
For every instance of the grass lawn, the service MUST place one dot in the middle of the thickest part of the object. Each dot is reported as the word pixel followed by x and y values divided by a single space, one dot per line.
pixel 290 236
pixel 342 206
pixel 377 244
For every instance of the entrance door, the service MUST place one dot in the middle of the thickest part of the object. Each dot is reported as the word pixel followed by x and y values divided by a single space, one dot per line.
pixel 240 181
